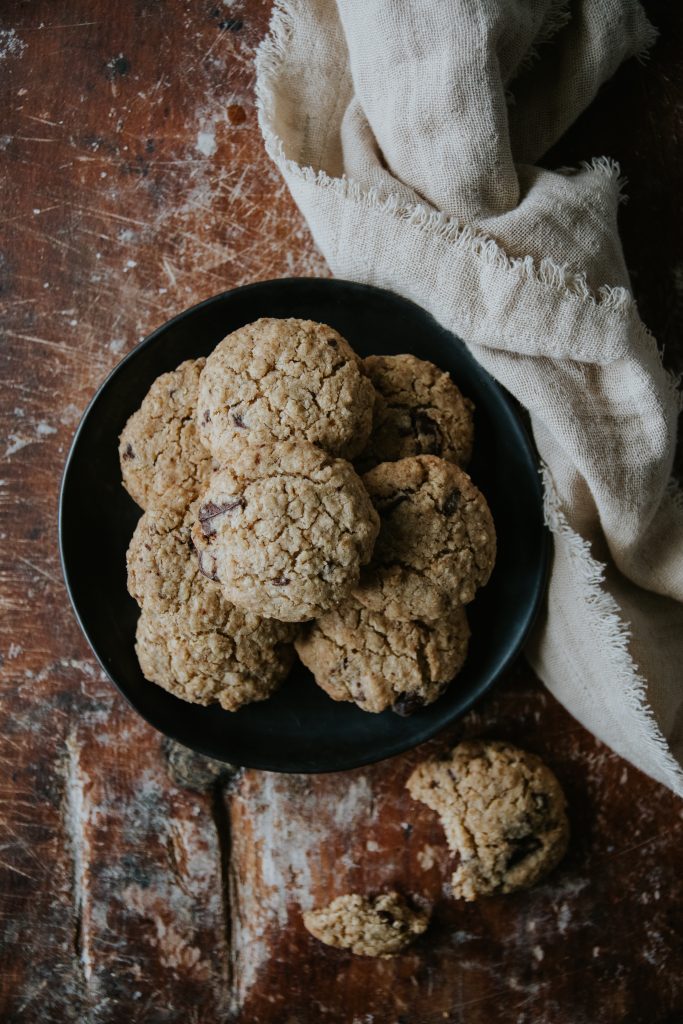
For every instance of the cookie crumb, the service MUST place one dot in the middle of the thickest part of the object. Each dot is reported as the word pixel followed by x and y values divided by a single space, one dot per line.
pixel 377 926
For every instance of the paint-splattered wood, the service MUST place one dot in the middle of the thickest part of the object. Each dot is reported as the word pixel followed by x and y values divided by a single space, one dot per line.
pixel 140 883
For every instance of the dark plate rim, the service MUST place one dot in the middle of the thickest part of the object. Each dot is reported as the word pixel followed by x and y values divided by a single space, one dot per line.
pixel 400 746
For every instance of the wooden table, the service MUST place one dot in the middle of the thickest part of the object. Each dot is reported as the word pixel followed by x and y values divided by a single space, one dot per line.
pixel 140 883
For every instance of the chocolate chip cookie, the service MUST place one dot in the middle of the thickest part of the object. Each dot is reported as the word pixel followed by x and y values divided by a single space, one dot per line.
pixel 418 411
pixel 379 926
pixel 162 458
pixel 281 380
pixel 380 662
pixel 284 529
pixel 242 662
pixel 190 640
pixel 163 570
pixel 437 541
pixel 503 813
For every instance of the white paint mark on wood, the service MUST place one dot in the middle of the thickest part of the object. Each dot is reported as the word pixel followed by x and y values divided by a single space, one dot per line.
pixel 75 815
pixel 206 143
pixel 10 44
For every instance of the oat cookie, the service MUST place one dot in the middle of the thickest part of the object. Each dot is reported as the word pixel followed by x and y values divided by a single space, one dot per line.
pixel 162 458
pixel 190 640
pixel 163 570
pixel 379 662
pixel 284 529
pixel 503 813
pixel 379 926
pixel 437 541
pixel 281 380
pixel 418 411
pixel 242 662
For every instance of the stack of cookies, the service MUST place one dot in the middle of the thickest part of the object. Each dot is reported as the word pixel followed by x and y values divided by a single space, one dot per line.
pixel 297 496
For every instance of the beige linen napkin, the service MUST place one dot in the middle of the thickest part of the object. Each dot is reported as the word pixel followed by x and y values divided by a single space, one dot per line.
pixel 407 133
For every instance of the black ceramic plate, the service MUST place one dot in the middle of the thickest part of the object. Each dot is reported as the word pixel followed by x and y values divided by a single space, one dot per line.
pixel 299 729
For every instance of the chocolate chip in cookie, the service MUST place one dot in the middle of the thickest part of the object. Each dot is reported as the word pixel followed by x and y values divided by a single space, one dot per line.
pixel 418 411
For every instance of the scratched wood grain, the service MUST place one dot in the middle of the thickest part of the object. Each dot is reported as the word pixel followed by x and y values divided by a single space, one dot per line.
pixel 139 883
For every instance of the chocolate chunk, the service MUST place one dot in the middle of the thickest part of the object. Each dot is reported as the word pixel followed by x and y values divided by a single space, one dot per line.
pixel 522 848
pixel 211 511
pixel 384 915
pixel 407 704
pixel 280 581
pixel 206 417
pixel 238 421
pixel 128 453
pixel 392 504
pixel 451 503
pixel 332 342
pixel 427 433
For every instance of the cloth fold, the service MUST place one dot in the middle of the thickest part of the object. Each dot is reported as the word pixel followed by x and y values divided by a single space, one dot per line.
pixel 407 133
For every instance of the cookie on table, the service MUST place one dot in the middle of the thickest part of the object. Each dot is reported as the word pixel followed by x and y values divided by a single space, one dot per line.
pixel 503 812
pixel 436 544
pixel 284 529
pixel 162 458
pixel 379 926
pixel 418 411
pixel 242 662
pixel 284 380
pixel 379 662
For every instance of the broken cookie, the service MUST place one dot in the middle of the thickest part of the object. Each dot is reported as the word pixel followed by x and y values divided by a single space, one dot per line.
pixel 379 926
pixel 503 812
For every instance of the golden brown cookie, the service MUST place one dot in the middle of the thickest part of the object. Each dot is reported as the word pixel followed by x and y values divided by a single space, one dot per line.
pixel 379 926
pixel 162 459
pixel 380 662
pixel 418 411
pixel 190 640
pixel 242 662
pixel 437 541
pixel 503 812
pixel 284 529
pixel 163 570
pixel 285 380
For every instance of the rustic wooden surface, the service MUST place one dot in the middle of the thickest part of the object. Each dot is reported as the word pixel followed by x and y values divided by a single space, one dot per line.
pixel 141 884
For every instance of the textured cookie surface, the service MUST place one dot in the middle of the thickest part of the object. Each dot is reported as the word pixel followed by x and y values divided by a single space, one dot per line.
pixel 190 640
pixel 379 926
pixel 418 411
pixel 280 380
pixel 284 529
pixel 379 662
pixel 503 812
pixel 437 541
pixel 244 661
pixel 163 570
pixel 162 458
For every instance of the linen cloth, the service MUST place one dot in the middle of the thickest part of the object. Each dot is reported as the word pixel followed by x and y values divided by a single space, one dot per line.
pixel 408 133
